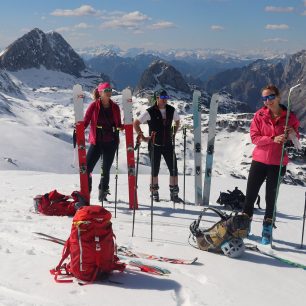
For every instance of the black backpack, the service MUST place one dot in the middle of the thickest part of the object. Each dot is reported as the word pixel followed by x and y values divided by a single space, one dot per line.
pixel 234 199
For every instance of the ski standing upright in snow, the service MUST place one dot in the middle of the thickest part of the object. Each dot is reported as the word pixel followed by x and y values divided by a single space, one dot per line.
pixel 78 101
pixel 128 126
pixel 213 110
pixel 281 161
pixel 197 147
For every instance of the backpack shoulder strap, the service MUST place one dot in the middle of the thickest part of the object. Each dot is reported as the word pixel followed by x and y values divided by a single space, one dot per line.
pixel 63 269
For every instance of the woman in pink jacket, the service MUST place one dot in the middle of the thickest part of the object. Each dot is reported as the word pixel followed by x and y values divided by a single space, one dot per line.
pixel 268 134
pixel 104 118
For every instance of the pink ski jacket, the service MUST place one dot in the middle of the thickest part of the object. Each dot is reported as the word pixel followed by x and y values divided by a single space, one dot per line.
pixel 263 129
pixel 91 116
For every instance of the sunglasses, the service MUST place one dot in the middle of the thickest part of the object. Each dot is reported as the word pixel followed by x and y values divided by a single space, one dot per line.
pixel 164 97
pixel 269 97
pixel 107 90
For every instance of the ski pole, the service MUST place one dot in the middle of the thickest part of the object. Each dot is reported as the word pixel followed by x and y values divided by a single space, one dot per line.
pixel 184 182
pixel 116 175
pixel 304 217
pixel 152 169
pixel 281 162
pixel 101 181
pixel 173 164
pixel 137 147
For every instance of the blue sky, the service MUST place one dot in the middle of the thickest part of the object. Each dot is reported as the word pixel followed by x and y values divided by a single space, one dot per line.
pixel 162 24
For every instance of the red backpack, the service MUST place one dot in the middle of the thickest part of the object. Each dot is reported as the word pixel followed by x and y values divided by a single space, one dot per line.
pixel 57 204
pixel 91 246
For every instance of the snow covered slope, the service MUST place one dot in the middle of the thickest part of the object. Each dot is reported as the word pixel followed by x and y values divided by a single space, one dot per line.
pixel 252 279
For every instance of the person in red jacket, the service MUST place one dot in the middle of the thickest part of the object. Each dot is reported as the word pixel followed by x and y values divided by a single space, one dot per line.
pixel 104 118
pixel 268 134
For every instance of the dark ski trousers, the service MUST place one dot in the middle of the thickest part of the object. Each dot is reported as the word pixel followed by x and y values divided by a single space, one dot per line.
pixel 107 151
pixel 167 153
pixel 260 172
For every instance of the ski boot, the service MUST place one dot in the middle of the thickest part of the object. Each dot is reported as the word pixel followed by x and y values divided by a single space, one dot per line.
pixel 154 192
pixel 174 190
pixel 103 195
pixel 266 232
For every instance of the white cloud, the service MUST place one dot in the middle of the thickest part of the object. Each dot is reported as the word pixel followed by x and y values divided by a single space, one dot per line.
pixel 161 25
pixel 79 26
pixel 277 27
pixel 82 25
pixel 81 11
pixel 279 9
pixel 131 21
pixel 276 40
pixel 216 28
pixel 305 3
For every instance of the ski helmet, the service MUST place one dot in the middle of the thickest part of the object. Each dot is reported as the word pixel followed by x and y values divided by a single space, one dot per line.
pixel 233 247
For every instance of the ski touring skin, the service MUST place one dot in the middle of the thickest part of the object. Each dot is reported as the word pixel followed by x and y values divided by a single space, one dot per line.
pixel 151 269
pixel 122 250
pixel 78 101
pixel 197 147
pixel 255 248
pixel 210 147
pixel 128 126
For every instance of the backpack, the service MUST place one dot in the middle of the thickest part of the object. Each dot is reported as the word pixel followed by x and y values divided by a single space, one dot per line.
pixel 57 204
pixel 91 247
pixel 234 199
pixel 229 227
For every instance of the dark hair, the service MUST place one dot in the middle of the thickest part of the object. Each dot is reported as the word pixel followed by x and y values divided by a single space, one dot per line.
pixel 272 88
pixel 96 94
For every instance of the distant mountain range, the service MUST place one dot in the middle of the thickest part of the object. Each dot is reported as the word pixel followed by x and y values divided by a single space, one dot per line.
pixel 240 79
pixel 126 71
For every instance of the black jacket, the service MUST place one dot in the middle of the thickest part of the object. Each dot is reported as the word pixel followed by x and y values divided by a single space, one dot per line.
pixel 162 127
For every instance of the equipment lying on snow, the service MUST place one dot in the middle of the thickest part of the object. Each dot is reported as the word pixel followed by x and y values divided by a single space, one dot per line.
pixel 234 200
pixel 91 247
pixel 54 203
pixel 224 236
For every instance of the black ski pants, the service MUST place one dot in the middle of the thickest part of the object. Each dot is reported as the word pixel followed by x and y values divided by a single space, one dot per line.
pixel 260 172
pixel 106 151
pixel 169 156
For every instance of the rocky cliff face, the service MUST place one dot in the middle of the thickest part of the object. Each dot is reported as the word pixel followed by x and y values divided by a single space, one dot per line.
pixel 36 49
pixel 245 84
pixel 161 74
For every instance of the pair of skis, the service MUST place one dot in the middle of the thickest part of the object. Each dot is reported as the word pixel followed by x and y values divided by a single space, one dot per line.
pixel 151 269
pixel 78 100
pixel 126 252
pixel 199 200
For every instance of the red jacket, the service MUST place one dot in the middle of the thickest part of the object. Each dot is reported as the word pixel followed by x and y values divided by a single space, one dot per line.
pixel 91 116
pixel 262 132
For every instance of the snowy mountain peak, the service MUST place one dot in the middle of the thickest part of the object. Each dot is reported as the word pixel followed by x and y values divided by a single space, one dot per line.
pixel 36 49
